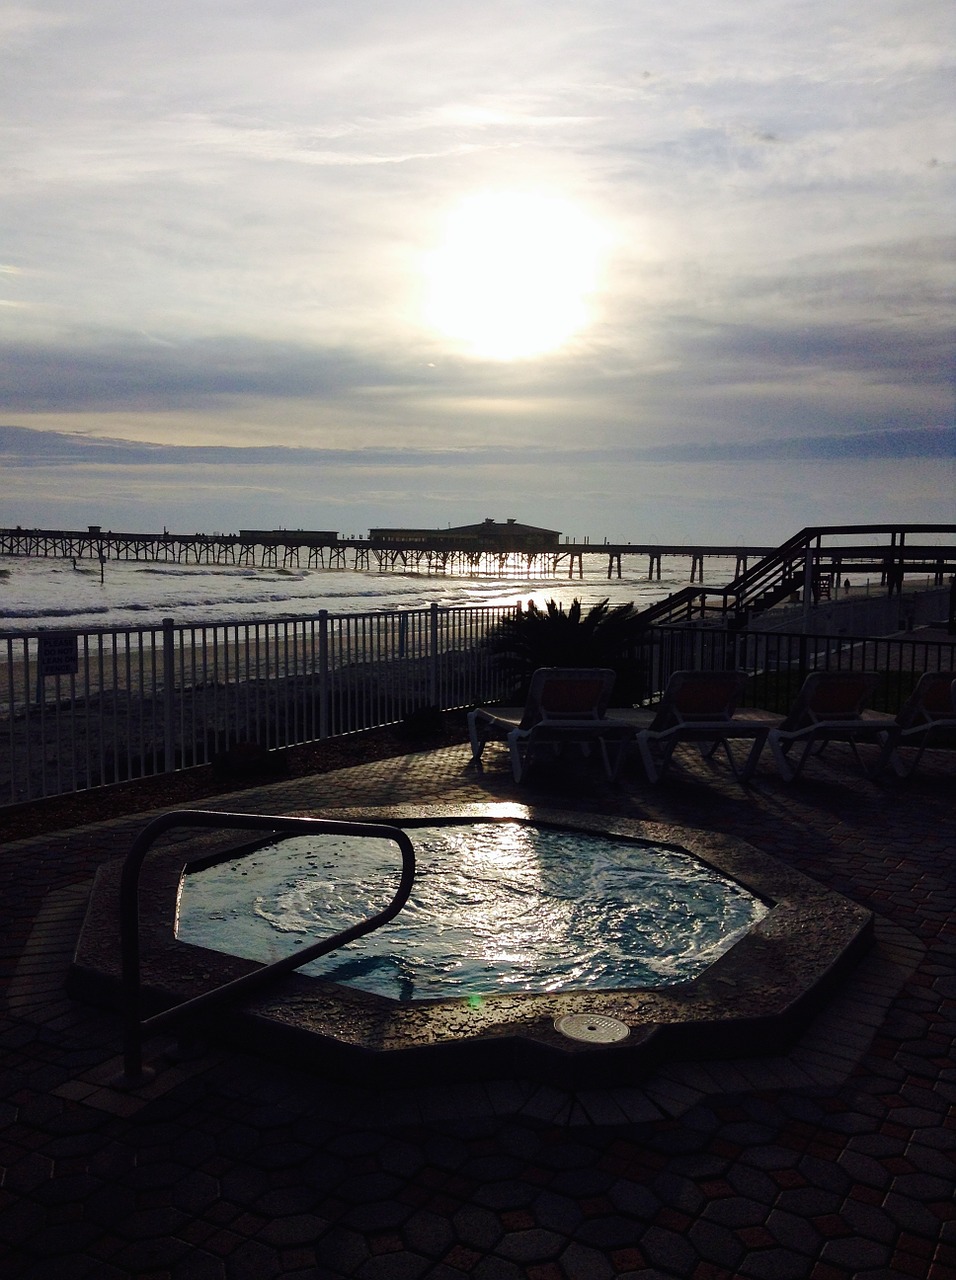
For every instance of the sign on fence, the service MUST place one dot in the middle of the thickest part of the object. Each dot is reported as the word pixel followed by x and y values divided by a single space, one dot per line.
pixel 57 654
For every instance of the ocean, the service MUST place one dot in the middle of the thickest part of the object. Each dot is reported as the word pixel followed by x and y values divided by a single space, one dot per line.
pixel 38 593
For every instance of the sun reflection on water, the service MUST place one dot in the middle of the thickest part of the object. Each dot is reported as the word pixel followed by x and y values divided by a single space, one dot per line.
pixel 496 907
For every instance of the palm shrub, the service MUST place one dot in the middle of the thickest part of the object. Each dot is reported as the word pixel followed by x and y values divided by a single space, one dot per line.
pixel 550 637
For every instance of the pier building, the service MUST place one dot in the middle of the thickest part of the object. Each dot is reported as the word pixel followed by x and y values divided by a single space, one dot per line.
pixel 474 549
pixel 489 535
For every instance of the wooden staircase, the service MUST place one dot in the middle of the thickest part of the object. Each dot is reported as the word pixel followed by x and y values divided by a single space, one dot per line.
pixel 808 563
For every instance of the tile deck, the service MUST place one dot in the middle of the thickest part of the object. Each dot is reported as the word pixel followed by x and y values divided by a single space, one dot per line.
pixel 832 1158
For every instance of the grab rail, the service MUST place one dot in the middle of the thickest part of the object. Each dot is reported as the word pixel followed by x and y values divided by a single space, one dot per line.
pixel 135 1027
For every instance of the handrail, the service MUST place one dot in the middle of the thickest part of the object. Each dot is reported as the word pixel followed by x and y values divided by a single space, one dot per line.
pixel 135 1028
pixel 779 567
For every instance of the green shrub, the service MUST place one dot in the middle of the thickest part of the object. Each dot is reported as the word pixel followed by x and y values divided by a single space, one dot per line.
pixel 551 637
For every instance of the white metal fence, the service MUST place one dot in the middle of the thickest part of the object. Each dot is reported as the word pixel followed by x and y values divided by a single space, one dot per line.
pixel 82 709
pixel 86 709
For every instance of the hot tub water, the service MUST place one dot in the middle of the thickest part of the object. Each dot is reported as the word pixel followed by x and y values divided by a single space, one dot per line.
pixel 496 907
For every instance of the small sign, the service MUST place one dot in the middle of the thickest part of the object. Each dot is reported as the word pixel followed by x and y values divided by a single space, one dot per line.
pixel 57 654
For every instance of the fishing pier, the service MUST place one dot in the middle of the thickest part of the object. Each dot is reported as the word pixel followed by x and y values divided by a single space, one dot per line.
pixel 812 564
pixel 515 552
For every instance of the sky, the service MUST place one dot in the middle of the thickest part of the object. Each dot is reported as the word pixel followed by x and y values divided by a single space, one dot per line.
pixel 625 270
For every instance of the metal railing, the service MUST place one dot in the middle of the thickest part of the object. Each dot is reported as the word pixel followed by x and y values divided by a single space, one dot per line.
pixel 137 1028
pixel 82 709
pixel 97 708
pixel 779 663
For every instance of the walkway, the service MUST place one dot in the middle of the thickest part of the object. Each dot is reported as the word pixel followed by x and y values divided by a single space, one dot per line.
pixel 834 1159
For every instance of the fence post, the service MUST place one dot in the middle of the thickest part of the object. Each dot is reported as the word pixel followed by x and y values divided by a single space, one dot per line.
pixel 802 671
pixel 169 696
pixel 807 585
pixel 433 656
pixel 323 673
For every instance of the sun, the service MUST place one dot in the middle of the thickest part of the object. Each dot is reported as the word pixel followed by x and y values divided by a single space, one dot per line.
pixel 514 275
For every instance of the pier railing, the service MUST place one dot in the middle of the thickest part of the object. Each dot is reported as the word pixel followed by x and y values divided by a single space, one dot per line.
pixel 86 709
pixel 810 565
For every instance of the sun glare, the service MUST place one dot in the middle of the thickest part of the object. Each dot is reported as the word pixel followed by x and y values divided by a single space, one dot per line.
pixel 514 275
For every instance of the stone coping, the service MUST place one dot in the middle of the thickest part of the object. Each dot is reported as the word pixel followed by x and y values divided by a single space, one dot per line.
pixel 756 996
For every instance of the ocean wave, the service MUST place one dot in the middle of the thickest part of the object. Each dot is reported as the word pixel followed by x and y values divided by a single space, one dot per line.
pixel 37 592
pixel 52 611
pixel 173 570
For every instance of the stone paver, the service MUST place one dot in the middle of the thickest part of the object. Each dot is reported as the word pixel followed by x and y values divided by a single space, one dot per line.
pixel 833 1159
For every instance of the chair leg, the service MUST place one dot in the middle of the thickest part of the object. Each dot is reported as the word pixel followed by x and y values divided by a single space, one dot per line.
pixel 779 748
pixel 901 768
pixel 519 761
pixel 854 747
pixel 741 772
pixel 612 767
pixel 750 767
pixel 728 752
pixel 666 742
pixel 477 743
pixel 805 755
pixel 887 754
pixel 647 759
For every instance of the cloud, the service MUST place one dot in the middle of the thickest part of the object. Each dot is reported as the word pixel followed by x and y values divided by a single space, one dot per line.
pixel 25 448
pixel 682 354
pixel 121 374
pixel 216 221
pixel 927 442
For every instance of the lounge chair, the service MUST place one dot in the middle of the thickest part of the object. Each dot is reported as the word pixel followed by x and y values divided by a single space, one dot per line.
pixel 931 706
pixel 565 706
pixel 700 707
pixel 830 707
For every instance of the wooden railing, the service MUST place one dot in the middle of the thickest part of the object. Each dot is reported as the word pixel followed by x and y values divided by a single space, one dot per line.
pixel 810 564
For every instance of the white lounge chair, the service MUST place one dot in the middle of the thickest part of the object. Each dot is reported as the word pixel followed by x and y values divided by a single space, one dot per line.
pixel 830 707
pixel 931 706
pixel 700 707
pixel 565 706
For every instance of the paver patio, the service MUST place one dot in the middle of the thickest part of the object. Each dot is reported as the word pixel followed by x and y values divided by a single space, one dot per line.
pixel 832 1159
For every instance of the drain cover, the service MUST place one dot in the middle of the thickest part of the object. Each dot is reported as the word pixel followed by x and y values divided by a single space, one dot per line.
pixel 594 1028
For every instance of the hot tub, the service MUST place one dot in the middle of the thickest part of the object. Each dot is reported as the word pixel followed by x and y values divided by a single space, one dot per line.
pixel 747 991
pixel 497 907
